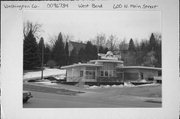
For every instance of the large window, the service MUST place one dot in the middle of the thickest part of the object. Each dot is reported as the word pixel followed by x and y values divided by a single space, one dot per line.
pixel 107 73
pixel 102 73
pixel 90 74
pixel 81 73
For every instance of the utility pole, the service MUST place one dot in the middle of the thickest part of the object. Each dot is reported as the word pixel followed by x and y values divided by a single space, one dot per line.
pixel 123 77
pixel 98 46
pixel 42 58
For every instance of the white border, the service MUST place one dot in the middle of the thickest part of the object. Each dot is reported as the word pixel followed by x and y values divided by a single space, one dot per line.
pixel 11 36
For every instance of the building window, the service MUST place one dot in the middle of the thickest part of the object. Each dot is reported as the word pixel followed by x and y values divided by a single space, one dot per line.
pixel 142 75
pixel 81 73
pixel 106 73
pixel 102 73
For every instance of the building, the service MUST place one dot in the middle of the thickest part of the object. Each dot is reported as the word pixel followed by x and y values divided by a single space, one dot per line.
pixel 135 73
pixel 108 70
pixel 75 45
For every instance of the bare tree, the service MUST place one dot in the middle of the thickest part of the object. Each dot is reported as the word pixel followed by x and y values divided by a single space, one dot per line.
pixel 34 27
pixel 52 40
pixel 123 45
pixel 99 40
pixel 111 43
pixel 158 37
pixel 67 37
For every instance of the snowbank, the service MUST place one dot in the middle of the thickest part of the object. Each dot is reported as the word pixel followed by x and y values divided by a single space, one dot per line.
pixel 152 84
pixel 93 87
pixel 47 83
pixel 46 72
pixel 126 84
pixel 107 86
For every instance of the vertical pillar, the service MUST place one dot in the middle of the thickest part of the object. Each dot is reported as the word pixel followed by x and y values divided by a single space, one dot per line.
pixel 84 74
pixel 123 76
pixel 42 59
pixel 96 73
pixel 72 73
pixel 139 75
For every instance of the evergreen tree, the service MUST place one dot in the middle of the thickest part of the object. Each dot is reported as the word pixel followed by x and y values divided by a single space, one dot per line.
pixel 152 42
pixel 131 45
pixel 73 57
pixel 131 53
pixel 94 54
pixel 106 50
pixel 47 54
pixel 30 55
pixel 157 50
pixel 150 52
pixel 82 56
pixel 103 50
pixel 89 51
pixel 67 53
pixel 41 48
pixel 58 52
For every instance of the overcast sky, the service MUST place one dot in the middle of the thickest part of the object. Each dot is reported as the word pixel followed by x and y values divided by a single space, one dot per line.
pixel 86 24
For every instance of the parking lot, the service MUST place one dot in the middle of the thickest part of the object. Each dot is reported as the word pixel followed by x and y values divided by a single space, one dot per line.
pixel 77 97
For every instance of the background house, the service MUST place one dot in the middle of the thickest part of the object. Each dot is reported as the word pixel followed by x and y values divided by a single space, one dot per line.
pixel 76 45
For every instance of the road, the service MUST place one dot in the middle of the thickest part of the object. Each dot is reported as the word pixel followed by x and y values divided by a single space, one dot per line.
pixel 89 99
pixel 47 100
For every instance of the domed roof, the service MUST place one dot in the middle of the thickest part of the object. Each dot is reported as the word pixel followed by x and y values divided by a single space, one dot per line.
pixel 109 53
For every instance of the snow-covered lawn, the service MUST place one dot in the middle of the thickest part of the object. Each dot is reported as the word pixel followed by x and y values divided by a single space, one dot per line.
pixel 46 72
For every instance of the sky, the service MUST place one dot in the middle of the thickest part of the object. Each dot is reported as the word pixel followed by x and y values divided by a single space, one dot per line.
pixel 84 25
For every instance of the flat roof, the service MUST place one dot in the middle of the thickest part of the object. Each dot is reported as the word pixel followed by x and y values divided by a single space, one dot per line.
pixel 80 65
pixel 108 60
pixel 140 67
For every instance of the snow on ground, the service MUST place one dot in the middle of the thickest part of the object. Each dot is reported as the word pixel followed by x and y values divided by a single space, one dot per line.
pixel 119 86
pixel 46 82
pixel 111 86
pixel 46 72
